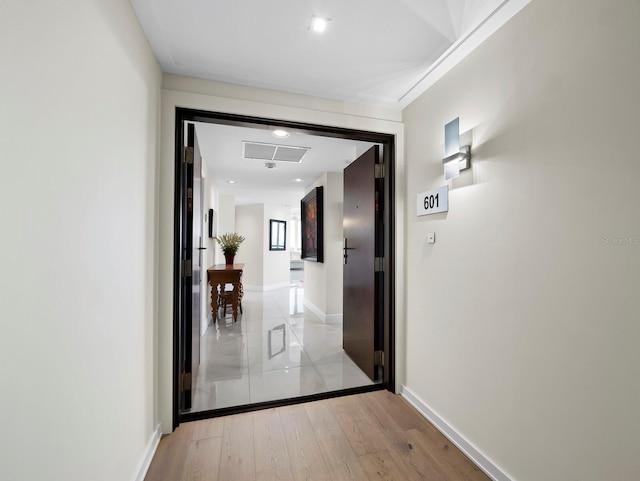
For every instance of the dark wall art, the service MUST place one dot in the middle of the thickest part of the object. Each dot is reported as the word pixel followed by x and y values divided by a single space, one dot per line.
pixel 212 223
pixel 312 232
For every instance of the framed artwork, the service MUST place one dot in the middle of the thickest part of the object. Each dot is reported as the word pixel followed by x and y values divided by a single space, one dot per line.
pixel 277 235
pixel 311 226
pixel 212 223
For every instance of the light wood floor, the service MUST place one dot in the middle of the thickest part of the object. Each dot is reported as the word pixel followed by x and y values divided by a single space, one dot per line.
pixel 373 436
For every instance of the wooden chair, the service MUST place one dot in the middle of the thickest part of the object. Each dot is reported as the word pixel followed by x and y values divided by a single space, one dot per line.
pixel 226 299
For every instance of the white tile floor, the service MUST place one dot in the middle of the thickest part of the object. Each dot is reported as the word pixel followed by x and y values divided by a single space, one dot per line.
pixel 276 350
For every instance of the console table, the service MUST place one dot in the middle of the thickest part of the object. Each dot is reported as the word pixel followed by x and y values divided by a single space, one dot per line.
pixel 220 275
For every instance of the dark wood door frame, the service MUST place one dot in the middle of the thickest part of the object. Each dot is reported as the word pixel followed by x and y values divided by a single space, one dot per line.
pixel 191 237
pixel 388 153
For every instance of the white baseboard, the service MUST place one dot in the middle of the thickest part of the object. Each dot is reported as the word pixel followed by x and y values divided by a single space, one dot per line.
pixel 270 287
pixel 333 319
pixel 479 459
pixel 326 318
pixel 152 445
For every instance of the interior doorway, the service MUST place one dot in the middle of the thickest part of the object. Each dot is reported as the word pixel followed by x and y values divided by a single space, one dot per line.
pixel 384 299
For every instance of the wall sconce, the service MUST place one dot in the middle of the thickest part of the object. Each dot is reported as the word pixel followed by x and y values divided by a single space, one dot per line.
pixel 456 158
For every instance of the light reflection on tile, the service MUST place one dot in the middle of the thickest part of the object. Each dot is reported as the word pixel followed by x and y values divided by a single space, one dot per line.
pixel 276 350
pixel 292 357
pixel 220 394
pixel 341 375
pixel 282 384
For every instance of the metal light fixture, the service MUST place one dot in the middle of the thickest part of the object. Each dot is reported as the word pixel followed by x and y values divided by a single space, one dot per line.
pixel 456 158
pixel 280 133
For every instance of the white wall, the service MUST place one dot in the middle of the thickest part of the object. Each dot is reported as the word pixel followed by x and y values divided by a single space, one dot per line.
pixel 80 95
pixel 219 97
pixel 277 264
pixel 323 280
pixel 333 243
pixel 522 318
pixel 249 223
pixel 263 269
pixel 209 201
pixel 226 220
pixel 315 278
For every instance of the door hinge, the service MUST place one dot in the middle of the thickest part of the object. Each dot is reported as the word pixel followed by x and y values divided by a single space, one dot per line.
pixel 378 265
pixel 189 199
pixel 186 268
pixel 187 155
pixel 378 358
pixel 379 171
pixel 186 381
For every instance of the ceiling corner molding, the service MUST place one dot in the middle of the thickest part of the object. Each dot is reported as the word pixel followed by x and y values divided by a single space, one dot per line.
pixel 153 31
pixel 463 47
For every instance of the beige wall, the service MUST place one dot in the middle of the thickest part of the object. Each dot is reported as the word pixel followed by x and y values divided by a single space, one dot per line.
pixel 522 318
pixel 80 97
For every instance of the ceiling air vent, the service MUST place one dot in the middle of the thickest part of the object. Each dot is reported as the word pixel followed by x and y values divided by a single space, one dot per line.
pixel 273 152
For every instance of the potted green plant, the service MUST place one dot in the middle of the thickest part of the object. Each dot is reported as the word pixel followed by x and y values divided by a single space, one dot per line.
pixel 229 243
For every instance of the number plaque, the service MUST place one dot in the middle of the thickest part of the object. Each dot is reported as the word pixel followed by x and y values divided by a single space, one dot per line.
pixel 433 201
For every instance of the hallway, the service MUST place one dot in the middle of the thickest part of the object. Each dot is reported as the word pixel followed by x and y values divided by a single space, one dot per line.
pixel 277 349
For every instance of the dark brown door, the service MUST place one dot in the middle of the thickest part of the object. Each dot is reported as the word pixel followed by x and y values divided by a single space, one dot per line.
pixel 191 243
pixel 362 327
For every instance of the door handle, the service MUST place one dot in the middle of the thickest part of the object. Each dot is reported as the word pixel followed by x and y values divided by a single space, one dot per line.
pixel 346 248
pixel 202 248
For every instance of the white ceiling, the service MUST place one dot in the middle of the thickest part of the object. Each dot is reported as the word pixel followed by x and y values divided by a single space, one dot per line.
pixel 377 52
pixel 221 150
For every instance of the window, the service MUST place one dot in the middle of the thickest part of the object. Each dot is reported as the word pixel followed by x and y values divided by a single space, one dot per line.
pixel 277 235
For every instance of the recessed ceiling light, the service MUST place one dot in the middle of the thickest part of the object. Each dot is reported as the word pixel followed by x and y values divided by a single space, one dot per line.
pixel 231 181
pixel 280 133
pixel 297 180
pixel 319 24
